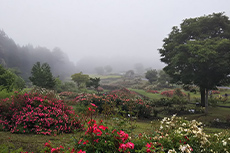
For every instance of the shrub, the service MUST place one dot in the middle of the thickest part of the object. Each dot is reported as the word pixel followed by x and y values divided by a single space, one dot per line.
pixel 5 94
pixel 152 91
pixel 166 102
pixel 100 138
pixel 171 93
pixel 215 92
pixel 123 99
pixel 34 113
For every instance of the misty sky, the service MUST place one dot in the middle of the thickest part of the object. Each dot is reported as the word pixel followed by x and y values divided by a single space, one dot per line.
pixel 108 28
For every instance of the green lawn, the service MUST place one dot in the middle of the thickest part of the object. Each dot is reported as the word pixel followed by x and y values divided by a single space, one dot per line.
pixel 105 76
pixel 150 95
pixel 34 143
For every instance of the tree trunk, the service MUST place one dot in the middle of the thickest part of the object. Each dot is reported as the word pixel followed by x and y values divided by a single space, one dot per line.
pixel 206 101
pixel 202 94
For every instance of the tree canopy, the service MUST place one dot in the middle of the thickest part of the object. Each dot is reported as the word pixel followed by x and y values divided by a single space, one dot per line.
pixel 151 75
pixel 24 57
pixel 198 52
pixel 7 79
pixel 163 79
pixel 80 78
pixel 93 82
pixel 42 76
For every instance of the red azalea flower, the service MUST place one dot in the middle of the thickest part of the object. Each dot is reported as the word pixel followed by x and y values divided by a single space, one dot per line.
pixel 81 151
pixel 148 145
pixel 96 140
pixel 130 145
pixel 93 105
pixel 47 145
pixel 103 127
pixel 90 109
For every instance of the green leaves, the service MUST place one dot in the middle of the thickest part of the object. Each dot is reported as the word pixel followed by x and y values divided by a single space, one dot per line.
pixel 199 48
pixel 80 78
pixel 199 52
pixel 151 75
pixel 7 79
pixel 42 76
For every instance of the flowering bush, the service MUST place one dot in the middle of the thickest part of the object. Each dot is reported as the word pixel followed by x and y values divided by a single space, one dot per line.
pixel 171 93
pixel 179 135
pixel 174 135
pixel 68 94
pixel 127 101
pixel 152 91
pixel 100 138
pixel 215 92
pixel 34 113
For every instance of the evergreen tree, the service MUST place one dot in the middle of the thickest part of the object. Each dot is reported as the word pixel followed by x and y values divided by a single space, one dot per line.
pixel 42 76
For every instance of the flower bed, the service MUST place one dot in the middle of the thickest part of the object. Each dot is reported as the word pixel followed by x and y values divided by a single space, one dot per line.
pixel 125 99
pixel 174 135
pixel 34 113
pixel 152 91
pixel 171 93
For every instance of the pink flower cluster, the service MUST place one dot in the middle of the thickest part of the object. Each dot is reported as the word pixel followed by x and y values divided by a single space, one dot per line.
pixel 97 135
pixel 50 149
pixel 121 97
pixel 152 91
pixel 168 93
pixel 33 113
pixel 215 92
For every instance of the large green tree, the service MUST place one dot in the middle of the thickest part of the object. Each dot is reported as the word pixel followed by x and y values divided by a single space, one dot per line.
pixel 163 79
pixel 93 82
pixel 42 76
pixel 80 78
pixel 7 79
pixel 198 52
pixel 151 75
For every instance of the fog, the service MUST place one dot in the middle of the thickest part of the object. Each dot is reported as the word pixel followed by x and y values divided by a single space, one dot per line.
pixel 96 33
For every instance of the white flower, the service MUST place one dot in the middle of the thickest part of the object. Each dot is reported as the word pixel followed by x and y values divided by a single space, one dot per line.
pixel 184 124
pixel 171 151
pixel 224 143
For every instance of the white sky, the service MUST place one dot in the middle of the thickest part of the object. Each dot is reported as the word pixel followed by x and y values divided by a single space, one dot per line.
pixel 105 28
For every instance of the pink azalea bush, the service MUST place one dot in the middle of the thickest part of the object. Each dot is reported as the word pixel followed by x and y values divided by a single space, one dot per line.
pixel 152 91
pixel 100 138
pixel 215 92
pixel 171 93
pixel 125 99
pixel 34 113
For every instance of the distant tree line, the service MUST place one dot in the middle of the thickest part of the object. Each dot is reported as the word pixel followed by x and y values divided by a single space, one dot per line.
pixel 22 58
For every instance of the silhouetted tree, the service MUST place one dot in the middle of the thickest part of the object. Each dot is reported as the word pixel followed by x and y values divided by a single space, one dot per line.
pixel 100 70
pixel 139 68
pixel 108 69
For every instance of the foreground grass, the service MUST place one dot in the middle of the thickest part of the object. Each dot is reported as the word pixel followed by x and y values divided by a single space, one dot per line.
pixel 34 143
